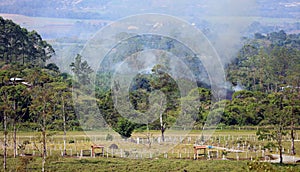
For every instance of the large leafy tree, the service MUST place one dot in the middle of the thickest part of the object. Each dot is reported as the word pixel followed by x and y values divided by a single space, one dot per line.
pixel 276 119
pixel 168 97
pixel 292 111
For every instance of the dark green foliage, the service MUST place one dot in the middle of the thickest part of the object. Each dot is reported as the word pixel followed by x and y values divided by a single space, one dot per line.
pixel 17 45
pixel 81 70
pixel 23 55
pixel 124 127
pixel 52 66
pixel 267 64
pixel 71 141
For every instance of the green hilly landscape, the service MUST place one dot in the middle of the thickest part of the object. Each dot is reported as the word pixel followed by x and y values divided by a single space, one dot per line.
pixel 151 104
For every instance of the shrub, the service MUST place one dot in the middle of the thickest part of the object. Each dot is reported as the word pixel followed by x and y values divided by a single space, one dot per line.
pixel 109 137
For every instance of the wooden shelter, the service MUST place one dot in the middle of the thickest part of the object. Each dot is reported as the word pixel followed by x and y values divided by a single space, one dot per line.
pixel 97 147
pixel 199 150
pixel 206 151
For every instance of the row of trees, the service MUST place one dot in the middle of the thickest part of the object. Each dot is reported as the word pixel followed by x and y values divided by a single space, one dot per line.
pixel 39 102
pixel 33 95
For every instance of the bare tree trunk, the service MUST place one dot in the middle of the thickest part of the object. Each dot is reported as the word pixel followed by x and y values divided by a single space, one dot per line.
pixel 65 131
pixel 280 147
pixel 162 124
pixel 280 154
pixel 293 151
pixel 44 143
pixel 162 127
pixel 148 136
pixel 15 130
pixel 15 139
pixel 5 141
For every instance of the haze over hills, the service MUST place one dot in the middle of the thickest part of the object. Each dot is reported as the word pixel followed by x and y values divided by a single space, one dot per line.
pixel 205 14
pixel 68 24
pixel 105 9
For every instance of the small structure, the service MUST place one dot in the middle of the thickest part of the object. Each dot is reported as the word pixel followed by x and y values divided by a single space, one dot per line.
pixel 14 81
pixel 97 147
pixel 201 149
pixel 213 153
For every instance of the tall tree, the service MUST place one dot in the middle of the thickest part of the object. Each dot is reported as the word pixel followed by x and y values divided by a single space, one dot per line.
pixel 292 110
pixel 63 99
pixel 167 99
pixel 19 96
pixel 6 111
pixel 42 106
pixel 81 70
pixel 277 119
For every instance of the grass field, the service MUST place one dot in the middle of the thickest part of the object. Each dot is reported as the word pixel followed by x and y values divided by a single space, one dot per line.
pixel 59 164
pixel 173 156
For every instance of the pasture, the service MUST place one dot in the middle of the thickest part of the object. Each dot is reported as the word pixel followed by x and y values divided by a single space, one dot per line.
pixel 231 150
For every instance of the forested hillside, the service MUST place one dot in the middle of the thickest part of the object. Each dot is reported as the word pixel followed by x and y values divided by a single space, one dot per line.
pixel 266 70
pixel 30 87
pixel 35 95
pixel 268 63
